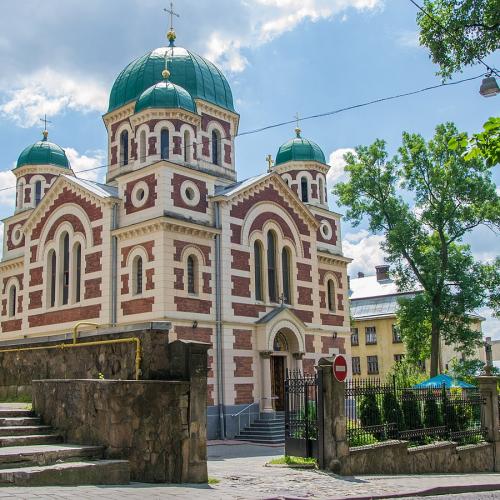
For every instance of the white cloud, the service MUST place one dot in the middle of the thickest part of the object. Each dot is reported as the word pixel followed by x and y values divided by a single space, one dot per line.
pixel 337 165
pixel 48 91
pixel 1 239
pixel 365 249
pixel 7 188
pixel 268 19
pixel 408 39
pixel 81 162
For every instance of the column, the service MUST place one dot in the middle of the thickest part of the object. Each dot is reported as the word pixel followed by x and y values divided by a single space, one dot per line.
pixel 266 391
pixel 490 417
pixel 298 356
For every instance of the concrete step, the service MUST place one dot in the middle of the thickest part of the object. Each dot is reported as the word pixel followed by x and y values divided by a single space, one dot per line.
pixel 262 432
pixel 261 439
pixel 15 413
pixel 15 421
pixel 274 425
pixel 24 430
pixel 68 474
pixel 30 440
pixel 46 454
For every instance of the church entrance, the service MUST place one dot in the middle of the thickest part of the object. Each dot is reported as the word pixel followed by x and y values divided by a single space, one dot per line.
pixel 278 382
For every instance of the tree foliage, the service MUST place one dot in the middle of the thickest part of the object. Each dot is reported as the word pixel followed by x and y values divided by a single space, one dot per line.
pixel 424 201
pixel 459 32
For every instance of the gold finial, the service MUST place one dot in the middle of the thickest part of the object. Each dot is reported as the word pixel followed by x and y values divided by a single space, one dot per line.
pixel 297 128
pixel 171 32
pixel 270 162
pixel 165 73
pixel 45 132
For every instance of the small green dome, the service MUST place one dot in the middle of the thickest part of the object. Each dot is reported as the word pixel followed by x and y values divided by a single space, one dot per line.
pixel 43 153
pixel 299 149
pixel 165 95
pixel 200 78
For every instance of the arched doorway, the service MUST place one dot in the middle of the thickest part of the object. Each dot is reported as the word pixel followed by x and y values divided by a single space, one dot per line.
pixel 278 368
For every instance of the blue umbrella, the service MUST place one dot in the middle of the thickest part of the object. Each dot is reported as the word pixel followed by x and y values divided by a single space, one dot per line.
pixel 446 380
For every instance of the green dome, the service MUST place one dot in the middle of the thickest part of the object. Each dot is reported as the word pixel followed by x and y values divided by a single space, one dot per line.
pixel 43 153
pixel 200 78
pixel 299 149
pixel 165 95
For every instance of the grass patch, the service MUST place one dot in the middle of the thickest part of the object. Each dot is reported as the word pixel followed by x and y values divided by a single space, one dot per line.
pixel 286 460
pixel 213 480
pixel 16 399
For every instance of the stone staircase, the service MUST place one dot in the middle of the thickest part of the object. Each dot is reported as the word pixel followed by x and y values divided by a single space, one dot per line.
pixel 32 454
pixel 265 430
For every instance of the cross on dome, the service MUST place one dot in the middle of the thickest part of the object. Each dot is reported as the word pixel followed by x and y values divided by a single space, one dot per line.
pixel 297 128
pixel 45 131
pixel 171 33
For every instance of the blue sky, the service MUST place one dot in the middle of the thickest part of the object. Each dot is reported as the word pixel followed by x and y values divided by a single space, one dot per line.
pixel 280 57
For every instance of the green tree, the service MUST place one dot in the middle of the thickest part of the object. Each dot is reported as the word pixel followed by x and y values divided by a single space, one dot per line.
pixel 459 32
pixel 369 412
pixel 432 415
pixel 424 201
pixel 405 374
pixel 392 410
pixel 411 411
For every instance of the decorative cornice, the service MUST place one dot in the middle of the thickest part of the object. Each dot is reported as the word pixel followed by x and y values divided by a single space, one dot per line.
pixel 283 168
pixel 218 112
pixel 164 114
pixel 41 169
pixel 11 264
pixel 118 114
pixel 328 258
pixel 164 223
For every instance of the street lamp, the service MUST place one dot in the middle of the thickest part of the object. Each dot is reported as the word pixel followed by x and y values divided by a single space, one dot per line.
pixel 489 86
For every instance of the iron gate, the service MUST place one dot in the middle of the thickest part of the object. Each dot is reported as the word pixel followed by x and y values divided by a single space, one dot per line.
pixel 303 414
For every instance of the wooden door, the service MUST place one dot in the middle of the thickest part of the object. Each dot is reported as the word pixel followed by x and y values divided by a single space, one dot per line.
pixel 278 382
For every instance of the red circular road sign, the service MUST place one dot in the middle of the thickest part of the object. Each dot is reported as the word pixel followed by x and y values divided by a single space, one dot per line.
pixel 340 367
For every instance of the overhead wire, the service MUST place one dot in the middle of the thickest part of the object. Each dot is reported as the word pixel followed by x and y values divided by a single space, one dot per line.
pixel 305 118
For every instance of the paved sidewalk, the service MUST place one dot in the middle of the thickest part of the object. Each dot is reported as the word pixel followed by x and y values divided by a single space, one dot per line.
pixel 242 473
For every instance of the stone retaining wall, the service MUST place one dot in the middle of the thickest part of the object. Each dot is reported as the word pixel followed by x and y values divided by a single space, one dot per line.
pixel 113 361
pixel 394 457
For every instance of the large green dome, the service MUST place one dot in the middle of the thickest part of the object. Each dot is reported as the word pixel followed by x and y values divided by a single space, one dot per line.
pixel 201 78
pixel 43 153
pixel 299 149
pixel 165 95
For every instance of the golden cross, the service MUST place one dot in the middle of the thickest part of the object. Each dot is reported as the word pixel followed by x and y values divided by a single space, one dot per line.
pixel 172 14
pixel 297 118
pixel 45 121
pixel 270 162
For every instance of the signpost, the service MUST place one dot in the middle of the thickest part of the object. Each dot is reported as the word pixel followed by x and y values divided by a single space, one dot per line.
pixel 340 367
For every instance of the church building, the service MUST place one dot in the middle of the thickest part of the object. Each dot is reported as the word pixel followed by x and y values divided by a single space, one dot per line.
pixel 254 267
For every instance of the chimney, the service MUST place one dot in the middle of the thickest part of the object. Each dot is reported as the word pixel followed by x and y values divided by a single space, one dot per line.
pixel 360 274
pixel 382 272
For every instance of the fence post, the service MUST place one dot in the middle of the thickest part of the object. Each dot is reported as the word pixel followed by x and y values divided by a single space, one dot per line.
pixel 335 446
pixel 490 415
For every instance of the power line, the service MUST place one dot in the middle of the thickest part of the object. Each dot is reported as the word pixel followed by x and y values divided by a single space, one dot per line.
pixel 310 117
pixel 454 35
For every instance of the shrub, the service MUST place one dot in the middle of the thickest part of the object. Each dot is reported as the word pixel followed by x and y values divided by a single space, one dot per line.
pixel 392 410
pixel 369 412
pixel 432 413
pixel 357 436
pixel 411 411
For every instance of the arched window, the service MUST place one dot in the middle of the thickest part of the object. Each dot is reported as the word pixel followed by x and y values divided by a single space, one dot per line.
pixel 164 143
pixel 77 270
pixel 215 147
pixel 280 344
pixel 191 273
pixel 65 270
pixel 187 146
pixel 321 190
pixel 12 300
pixel 271 266
pixel 142 147
pixel 331 295
pixel 304 189
pixel 285 269
pixel 124 148
pixel 52 274
pixel 20 197
pixel 257 250
pixel 137 275
pixel 38 192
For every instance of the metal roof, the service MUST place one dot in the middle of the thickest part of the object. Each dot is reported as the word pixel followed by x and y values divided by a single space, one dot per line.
pixel 102 190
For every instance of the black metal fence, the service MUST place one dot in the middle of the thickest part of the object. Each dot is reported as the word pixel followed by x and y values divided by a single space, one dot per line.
pixel 301 414
pixel 378 411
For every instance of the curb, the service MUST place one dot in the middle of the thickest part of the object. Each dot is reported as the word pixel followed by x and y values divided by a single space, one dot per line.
pixel 437 490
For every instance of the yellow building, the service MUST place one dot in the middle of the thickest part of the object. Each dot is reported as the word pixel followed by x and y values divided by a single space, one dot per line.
pixel 375 341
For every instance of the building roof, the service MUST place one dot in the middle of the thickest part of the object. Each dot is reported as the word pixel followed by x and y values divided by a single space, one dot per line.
pixel 198 76
pixel 238 186
pixel 102 190
pixel 165 94
pixel 299 149
pixel 43 152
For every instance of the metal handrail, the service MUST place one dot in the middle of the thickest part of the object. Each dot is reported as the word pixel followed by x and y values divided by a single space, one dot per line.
pixel 239 415
pixel 240 412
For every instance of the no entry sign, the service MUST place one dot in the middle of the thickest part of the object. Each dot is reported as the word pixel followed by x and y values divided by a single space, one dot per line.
pixel 340 367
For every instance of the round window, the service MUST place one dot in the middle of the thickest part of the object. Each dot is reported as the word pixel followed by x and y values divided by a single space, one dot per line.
pixel 17 235
pixel 140 194
pixel 190 193
pixel 326 230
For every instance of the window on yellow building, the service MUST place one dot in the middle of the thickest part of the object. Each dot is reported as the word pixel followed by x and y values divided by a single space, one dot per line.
pixel 396 335
pixel 372 365
pixel 399 357
pixel 356 365
pixel 354 336
pixel 371 335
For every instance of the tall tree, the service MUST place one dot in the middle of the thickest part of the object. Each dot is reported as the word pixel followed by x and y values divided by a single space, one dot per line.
pixel 459 32
pixel 425 200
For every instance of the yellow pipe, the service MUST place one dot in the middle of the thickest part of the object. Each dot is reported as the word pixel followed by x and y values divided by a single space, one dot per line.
pixel 96 342
pixel 80 323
